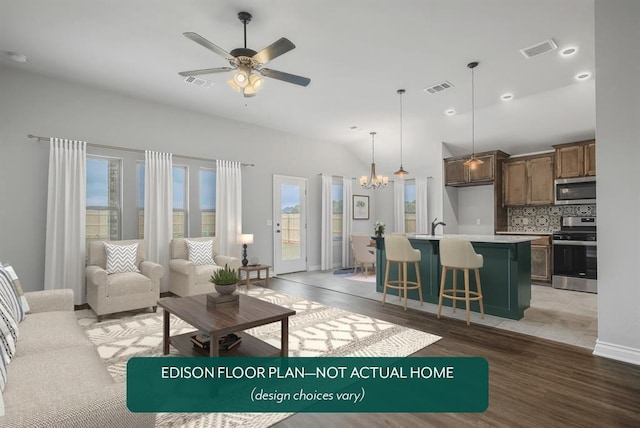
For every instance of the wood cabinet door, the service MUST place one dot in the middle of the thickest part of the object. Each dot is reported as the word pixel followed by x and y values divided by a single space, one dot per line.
pixel 540 181
pixel 455 172
pixel 540 262
pixel 514 183
pixel 590 159
pixel 570 161
pixel 484 171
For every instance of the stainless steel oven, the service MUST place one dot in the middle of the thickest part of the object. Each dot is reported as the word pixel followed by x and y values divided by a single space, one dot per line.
pixel 580 190
pixel 575 255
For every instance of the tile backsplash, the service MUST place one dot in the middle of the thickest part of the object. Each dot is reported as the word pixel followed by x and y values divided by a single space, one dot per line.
pixel 544 219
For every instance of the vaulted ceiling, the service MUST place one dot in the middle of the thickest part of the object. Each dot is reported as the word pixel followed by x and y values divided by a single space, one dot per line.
pixel 357 55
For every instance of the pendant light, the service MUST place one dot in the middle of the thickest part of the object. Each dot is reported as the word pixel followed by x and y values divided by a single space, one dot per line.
pixel 473 162
pixel 401 172
pixel 373 181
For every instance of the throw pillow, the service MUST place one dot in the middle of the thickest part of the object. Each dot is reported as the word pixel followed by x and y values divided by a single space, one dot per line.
pixel 17 286
pixel 9 296
pixel 121 258
pixel 201 252
pixel 3 378
pixel 8 338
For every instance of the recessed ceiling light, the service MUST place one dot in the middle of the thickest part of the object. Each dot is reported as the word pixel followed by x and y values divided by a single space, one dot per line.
pixel 568 51
pixel 17 57
pixel 506 97
pixel 450 112
pixel 583 76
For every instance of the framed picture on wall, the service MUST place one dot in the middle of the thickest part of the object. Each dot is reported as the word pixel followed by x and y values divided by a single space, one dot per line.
pixel 360 207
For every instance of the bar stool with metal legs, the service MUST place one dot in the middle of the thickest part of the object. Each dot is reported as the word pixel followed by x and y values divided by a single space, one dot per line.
pixel 458 254
pixel 399 250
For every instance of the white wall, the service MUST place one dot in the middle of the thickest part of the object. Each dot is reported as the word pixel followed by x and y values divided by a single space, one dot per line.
pixel 617 153
pixel 476 208
pixel 32 104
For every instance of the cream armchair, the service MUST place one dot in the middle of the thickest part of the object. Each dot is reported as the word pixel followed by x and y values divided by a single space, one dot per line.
pixel 187 278
pixel 117 292
pixel 362 253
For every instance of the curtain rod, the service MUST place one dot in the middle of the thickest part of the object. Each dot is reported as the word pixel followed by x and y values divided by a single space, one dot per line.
pixel 356 178
pixel 126 149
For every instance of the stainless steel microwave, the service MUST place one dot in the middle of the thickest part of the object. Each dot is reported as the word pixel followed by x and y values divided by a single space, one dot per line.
pixel 581 190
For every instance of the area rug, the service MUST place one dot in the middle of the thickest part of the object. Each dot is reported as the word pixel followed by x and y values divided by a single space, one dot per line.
pixel 315 330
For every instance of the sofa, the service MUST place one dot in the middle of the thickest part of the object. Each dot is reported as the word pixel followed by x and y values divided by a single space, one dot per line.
pixel 57 378
pixel 123 291
pixel 188 278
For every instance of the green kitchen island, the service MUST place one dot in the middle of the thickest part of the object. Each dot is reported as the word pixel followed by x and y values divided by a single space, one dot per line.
pixel 505 276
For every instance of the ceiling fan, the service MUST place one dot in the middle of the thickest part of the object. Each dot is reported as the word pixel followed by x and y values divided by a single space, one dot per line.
pixel 246 61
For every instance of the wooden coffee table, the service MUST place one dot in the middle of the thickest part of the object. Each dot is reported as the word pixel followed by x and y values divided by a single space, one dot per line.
pixel 218 322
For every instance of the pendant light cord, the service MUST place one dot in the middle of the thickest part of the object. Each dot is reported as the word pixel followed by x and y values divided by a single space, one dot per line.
pixel 401 91
pixel 473 115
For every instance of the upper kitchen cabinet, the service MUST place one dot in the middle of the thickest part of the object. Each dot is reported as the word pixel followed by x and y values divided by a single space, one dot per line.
pixel 528 180
pixel 576 159
pixel 457 174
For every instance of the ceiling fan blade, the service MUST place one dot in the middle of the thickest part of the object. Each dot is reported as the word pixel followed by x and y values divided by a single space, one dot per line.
pixel 274 50
pixel 205 71
pixel 207 44
pixel 286 77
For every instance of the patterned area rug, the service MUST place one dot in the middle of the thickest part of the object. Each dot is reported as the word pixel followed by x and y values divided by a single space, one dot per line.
pixel 315 330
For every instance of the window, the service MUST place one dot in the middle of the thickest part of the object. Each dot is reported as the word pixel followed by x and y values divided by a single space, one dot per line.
pixel 410 206
pixel 208 201
pixel 337 210
pixel 103 199
pixel 180 200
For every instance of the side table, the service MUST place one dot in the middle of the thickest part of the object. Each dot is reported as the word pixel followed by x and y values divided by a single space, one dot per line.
pixel 255 268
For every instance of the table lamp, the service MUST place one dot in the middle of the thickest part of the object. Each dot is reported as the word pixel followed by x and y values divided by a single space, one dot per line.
pixel 245 238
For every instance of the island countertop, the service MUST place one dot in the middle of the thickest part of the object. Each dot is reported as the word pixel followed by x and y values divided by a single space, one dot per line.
pixel 495 239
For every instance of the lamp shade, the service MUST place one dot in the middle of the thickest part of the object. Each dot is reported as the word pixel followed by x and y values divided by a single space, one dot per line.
pixel 246 238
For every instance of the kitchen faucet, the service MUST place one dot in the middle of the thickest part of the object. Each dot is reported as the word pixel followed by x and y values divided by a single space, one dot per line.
pixel 434 225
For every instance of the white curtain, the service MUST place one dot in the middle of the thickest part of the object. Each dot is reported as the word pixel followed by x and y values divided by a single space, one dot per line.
pixel 398 205
pixel 347 221
pixel 228 207
pixel 158 209
pixel 66 218
pixel 422 221
pixel 326 238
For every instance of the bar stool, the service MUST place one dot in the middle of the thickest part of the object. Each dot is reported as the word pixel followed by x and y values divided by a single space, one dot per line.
pixel 399 250
pixel 458 254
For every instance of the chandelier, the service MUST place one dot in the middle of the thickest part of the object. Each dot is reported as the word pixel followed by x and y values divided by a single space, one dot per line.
pixel 373 181
pixel 473 161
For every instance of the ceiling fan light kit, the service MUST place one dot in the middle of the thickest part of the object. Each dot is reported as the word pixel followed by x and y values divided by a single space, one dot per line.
pixel 247 61
pixel 473 161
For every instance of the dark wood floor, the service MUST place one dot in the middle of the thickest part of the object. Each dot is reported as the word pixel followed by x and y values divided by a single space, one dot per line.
pixel 533 382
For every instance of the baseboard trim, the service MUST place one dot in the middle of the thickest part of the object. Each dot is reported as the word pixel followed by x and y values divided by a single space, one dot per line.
pixel 617 352
pixel 312 268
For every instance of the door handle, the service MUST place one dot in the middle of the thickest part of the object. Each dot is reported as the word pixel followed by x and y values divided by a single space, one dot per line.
pixel 277 230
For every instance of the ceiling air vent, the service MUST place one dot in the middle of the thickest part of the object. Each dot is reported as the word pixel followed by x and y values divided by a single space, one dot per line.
pixel 203 83
pixel 439 87
pixel 539 48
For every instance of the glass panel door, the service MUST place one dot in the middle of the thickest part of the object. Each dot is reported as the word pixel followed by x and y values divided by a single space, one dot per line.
pixel 289 224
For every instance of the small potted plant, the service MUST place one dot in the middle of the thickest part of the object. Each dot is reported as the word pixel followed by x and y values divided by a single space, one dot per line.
pixel 225 280
pixel 379 229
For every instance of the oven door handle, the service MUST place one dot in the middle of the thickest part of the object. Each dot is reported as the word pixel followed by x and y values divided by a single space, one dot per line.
pixel 576 243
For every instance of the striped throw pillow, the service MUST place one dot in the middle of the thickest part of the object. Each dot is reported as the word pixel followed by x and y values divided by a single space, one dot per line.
pixel 8 340
pixel 201 252
pixel 9 296
pixel 17 286
pixel 121 258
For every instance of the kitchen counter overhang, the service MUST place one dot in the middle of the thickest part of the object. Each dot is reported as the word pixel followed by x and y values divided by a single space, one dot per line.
pixel 505 275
